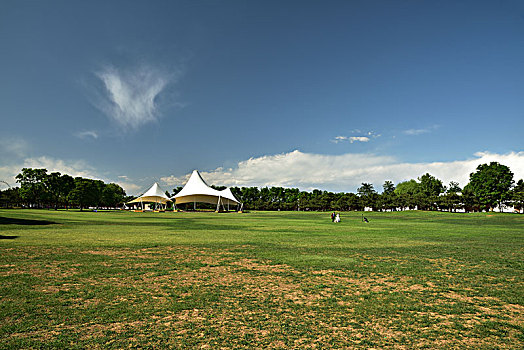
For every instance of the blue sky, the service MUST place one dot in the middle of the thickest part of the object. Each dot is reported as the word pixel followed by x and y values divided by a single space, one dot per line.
pixel 304 94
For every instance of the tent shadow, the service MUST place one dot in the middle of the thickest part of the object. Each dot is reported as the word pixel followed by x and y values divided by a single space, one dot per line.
pixel 8 237
pixel 13 221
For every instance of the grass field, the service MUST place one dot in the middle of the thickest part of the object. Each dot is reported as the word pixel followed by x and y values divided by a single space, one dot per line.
pixel 261 280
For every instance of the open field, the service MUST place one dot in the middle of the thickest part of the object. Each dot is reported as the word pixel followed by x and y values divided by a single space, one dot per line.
pixel 262 279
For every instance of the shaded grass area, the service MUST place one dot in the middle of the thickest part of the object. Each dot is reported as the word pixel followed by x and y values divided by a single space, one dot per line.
pixel 19 221
pixel 267 280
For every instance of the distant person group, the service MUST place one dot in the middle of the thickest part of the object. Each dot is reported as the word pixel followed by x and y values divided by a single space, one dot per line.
pixel 335 217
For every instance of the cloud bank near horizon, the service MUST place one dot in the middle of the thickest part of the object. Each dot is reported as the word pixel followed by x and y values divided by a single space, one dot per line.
pixel 73 168
pixel 307 171
pixel 346 172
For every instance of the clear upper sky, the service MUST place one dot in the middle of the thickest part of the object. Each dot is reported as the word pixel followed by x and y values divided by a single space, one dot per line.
pixel 324 94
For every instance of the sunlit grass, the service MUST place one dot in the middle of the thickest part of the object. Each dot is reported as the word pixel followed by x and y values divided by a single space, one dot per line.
pixel 260 279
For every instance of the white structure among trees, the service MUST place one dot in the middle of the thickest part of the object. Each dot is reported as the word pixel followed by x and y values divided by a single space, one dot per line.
pixel 197 190
pixel 154 195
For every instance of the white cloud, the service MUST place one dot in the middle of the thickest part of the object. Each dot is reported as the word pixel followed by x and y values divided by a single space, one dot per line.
pixel 73 168
pixel 344 172
pixel 358 139
pixel 129 187
pixel 338 139
pixel 131 95
pixel 352 139
pixel 70 167
pixel 13 147
pixel 7 174
pixel 87 134
pixel 414 132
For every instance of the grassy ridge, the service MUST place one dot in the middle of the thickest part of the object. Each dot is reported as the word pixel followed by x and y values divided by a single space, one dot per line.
pixel 262 279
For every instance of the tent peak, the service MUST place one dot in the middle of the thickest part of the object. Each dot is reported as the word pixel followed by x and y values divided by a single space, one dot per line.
pixel 196 189
pixel 153 194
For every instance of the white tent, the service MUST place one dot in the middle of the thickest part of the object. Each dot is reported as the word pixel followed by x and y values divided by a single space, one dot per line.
pixel 197 190
pixel 153 195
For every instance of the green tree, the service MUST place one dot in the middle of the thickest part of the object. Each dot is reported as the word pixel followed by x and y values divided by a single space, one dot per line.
pixel 469 201
pixel 453 187
pixel 368 195
pixel 388 197
pixel 326 200
pixel 518 196
pixel 32 189
pixel 315 200
pixel 58 187
pixel 354 202
pixel 451 200
pixel 407 187
pixel 429 187
pixel 113 195
pixel 491 184
pixel 388 187
pixel 402 200
pixel 10 197
pixel 84 194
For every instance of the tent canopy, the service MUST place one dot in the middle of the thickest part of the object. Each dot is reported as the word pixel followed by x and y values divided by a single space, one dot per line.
pixel 154 194
pixel 197 190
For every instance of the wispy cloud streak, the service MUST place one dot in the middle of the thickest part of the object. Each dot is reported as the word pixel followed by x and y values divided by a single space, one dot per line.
pixel 414 132
pixel 131 95
pixel 352 139
pixel 87 134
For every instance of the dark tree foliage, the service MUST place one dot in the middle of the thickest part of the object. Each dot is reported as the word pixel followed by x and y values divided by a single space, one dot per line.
pixel 113 195
pixel 368 196
pixel 388 187
pixel 518 196
pixel 39 189
pixel 58 187
pixel 32 190
pixel 10 198
pixel 84 193
pixel 389 199
pixel 451 200
pixel 429 189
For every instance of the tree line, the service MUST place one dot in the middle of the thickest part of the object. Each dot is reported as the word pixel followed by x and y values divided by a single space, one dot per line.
pixel 490 186
pixel 40 189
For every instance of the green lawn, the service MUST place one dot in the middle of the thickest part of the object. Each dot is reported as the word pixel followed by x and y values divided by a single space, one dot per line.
pixel 261 279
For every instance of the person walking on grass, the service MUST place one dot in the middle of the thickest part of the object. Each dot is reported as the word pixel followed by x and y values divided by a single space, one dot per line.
pixel 333 217
pixel 337 218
